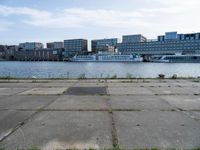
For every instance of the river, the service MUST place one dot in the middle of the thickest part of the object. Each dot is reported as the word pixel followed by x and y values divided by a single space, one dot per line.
pixel 96 69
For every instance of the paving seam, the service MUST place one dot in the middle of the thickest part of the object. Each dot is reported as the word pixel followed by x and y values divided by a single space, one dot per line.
pixel 75 83
pixel 174 94
pixel 115 140
pixel 6 96
pixel 28 118
pixel 99 110
pixel 178 109
pixel 24 122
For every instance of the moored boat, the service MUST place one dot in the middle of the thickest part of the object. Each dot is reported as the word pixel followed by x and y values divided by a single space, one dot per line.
pixel 107 58
pixel 177 59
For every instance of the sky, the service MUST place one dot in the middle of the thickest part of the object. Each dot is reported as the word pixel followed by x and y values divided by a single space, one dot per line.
pixel 56 20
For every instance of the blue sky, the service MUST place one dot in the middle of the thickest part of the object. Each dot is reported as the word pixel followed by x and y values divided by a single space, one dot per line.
pixel 56 20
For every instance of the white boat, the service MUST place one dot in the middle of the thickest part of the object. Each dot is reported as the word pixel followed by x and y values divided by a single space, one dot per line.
pixel 119 58
pixel 106 57
pixel 84 58
pixel 177 59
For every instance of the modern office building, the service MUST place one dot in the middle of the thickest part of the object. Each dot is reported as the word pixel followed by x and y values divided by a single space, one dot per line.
pixel 133 38
pixel 2 52
pixel 170 43
pixel 31 46
pixel 75 46
pixel 180 37
pixel 104 45
pixel 55 45
pixel 11 51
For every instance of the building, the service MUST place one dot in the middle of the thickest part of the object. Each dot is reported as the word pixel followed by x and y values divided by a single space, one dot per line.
pixel 11 51
pixel 108 45
pixel 31 46
pixel 106 48
pixel 55 45
pixel 2 52
pixel 39 55
pixel 133 38
pixel 75 46
pixel 180 37
pixel 170 43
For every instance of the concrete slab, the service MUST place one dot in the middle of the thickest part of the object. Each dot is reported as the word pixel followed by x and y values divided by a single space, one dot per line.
pixel 25 102
pixel 89 84
pixel 126 84
pixel 190 102
pixel 170 90
pixel 187 83
pixel 63 81
pixel 88 81
pixel 154 84
pixel 64 85
pixel 63 130
pixel 11 91
pixel 195 90
pixel 11 119
pixel 132 80
pixel 19 85
pixel 139 83
pixel 142 102
pixel 2 96
pixel 44 91
pixel 150 129
pixel 69 102
pixel 129 91
pixel 194 114
pixel 24 81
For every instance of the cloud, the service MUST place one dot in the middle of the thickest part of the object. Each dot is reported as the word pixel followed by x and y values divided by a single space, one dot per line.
pixel 170 14
pixel 78 17
pixel 74 17
pixel 5 25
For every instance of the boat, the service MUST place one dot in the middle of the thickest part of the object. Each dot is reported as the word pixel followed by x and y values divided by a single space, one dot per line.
pixel 84 58
pixel 177 59
pixel 106 57
pixel 120 58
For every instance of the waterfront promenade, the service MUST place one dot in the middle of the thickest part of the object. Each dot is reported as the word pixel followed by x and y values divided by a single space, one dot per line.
pixel 100 114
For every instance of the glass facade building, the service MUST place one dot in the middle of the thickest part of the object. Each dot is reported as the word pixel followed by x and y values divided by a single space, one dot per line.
pixel 103 44
pixel 170 35
pixel 75 46
pixel 31 45
pixel 170 43
pixel 133 38
pixel 55 45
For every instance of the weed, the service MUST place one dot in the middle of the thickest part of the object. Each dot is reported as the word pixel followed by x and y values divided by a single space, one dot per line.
pixel 129 76
pixel 114 77
pixel 82 76
pixel 175 76
pixel 196 81
pixel 34 148
pixel 161 76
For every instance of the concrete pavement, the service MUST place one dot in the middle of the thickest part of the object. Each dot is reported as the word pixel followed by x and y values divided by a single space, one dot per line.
pixel 100 114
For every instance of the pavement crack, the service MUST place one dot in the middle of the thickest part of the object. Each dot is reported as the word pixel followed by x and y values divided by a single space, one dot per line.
pixel 115 140
pixel 178 109
pixel 18 126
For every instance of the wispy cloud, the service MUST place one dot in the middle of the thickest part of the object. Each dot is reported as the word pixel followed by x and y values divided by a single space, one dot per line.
pixel 78 17
pixel 4 25
pixel 74 17
pixel 171 13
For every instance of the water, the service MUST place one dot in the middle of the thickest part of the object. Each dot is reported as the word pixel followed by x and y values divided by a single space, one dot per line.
pixel 95 69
